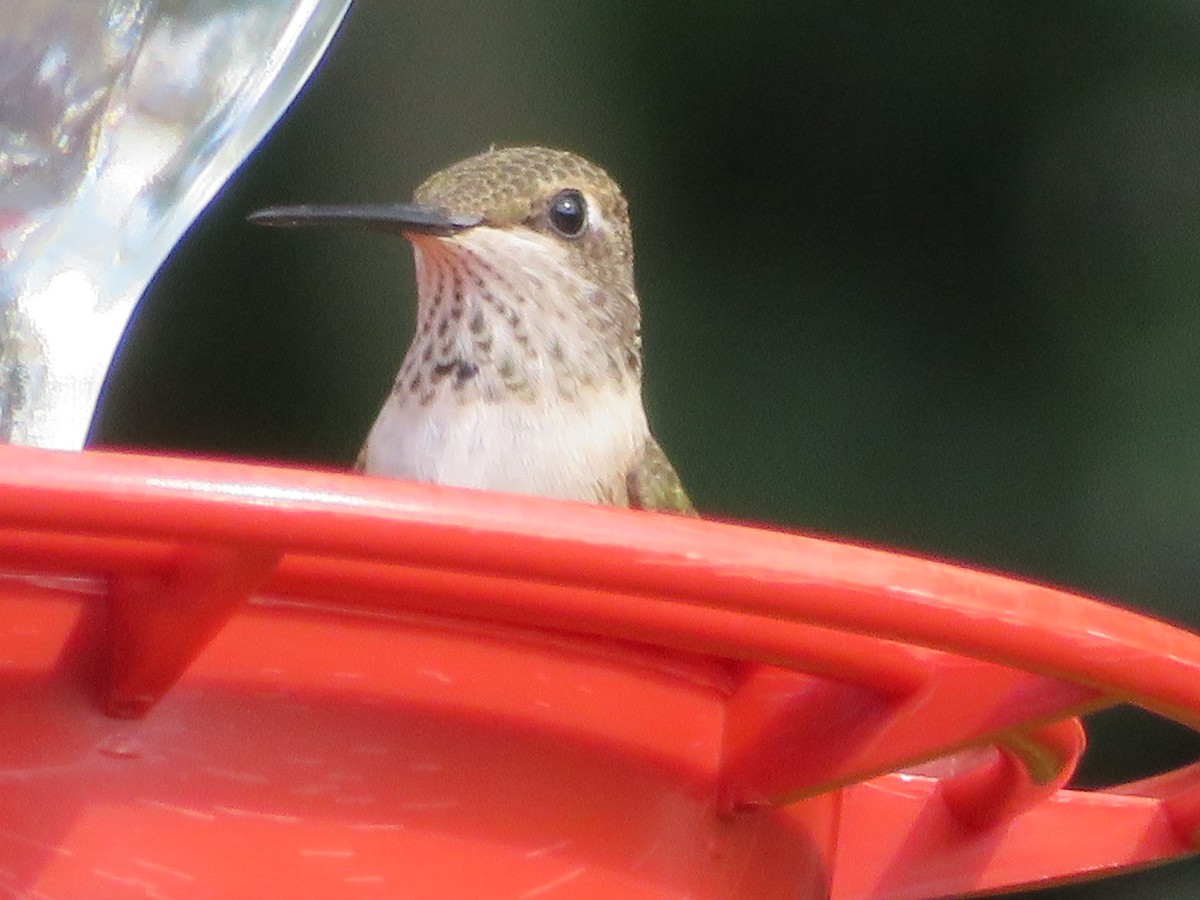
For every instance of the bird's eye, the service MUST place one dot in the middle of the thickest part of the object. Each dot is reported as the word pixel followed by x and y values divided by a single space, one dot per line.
pixel 568 213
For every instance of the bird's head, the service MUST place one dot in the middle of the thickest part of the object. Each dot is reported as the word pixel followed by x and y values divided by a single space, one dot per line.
pixel 520 250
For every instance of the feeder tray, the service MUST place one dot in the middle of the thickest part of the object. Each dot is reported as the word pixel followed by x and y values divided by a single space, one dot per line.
pixel 224 680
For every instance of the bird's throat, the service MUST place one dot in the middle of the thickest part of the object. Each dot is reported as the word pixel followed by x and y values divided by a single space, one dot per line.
pixel 499 319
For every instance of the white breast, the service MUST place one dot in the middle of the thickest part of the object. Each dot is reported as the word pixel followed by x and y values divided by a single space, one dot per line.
pixel 550 450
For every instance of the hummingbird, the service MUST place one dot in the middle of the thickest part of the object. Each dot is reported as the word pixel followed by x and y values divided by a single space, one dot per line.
pixel 524 373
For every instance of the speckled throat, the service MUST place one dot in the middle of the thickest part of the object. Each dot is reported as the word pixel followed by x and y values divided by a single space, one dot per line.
pixel 500 318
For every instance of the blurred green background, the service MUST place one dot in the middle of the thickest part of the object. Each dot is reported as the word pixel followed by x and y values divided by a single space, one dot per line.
pixel 924 277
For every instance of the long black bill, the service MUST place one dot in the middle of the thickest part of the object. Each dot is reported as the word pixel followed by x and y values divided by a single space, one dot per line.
pixel 393 217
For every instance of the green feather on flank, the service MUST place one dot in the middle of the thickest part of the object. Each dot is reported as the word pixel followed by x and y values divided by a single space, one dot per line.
pixel 654 485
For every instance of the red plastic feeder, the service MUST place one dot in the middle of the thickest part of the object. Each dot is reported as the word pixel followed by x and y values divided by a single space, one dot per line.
pixel 241 681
